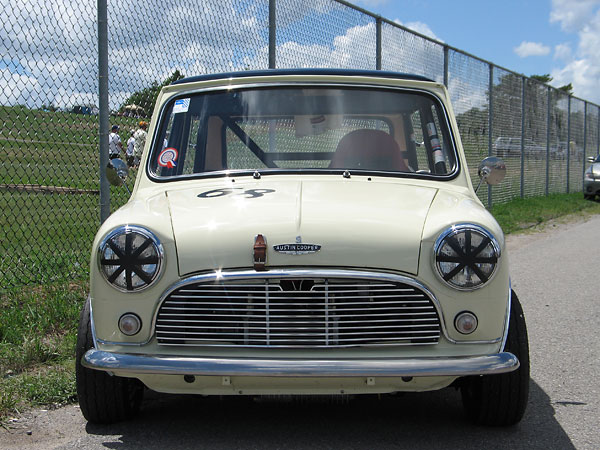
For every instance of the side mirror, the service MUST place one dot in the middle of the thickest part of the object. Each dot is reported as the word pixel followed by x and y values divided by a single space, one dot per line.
pixel 116 172
pixel 591 159
pixel 492 170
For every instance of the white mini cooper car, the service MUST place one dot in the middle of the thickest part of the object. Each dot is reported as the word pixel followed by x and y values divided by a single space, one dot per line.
pixel 302 232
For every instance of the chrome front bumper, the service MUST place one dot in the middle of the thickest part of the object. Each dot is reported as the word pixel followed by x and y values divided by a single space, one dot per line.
pixel 131 364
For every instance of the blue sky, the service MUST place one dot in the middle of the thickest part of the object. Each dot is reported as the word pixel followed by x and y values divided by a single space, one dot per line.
pixel 558 37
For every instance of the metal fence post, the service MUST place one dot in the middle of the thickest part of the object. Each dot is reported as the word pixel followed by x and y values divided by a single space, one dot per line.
pixel 446 65
pixel 568 144
pixel 378 43
pixel 272 34
pixel 490 125
pixel 523 91
pixel 584 142
pixel 103 115
pixel 548 123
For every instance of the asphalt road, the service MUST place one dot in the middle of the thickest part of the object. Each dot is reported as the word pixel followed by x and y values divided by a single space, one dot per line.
pixel 555 274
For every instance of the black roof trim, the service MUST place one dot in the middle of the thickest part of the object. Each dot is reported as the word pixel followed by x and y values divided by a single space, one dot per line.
pixel 273 72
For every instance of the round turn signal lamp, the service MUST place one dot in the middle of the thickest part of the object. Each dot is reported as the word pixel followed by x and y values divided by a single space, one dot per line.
pixel 465 322
pixel 130 324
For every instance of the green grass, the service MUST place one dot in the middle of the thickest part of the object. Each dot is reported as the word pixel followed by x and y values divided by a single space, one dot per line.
pixel 522 214
pixel 37 345
pixel 48 386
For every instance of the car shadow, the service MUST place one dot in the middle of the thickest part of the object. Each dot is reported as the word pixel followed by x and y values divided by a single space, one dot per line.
pixel 429 420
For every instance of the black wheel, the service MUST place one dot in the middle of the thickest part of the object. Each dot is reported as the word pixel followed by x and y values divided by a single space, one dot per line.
pixel 587 197
pixel 500 400
pixel 103 398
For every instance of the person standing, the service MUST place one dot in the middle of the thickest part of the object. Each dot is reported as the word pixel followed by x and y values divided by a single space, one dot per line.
pixel 130 147
pixel 115 146
pixel 139 142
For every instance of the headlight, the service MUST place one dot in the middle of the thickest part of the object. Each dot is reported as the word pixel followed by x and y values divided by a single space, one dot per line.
pixel 466 256
pixel 130 258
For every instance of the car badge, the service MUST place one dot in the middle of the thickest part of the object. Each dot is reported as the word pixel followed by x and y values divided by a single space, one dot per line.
pixel 298 248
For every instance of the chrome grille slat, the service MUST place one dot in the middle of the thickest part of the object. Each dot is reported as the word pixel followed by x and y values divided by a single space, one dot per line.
pixel 277 310
pixel 316 334
pixel 212 302
pixel 275 326
pixel 307 316
pixel 433 336
pixel 308 296
pixel 301 312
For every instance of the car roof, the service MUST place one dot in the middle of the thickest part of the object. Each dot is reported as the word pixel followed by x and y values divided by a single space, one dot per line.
pixel 276 72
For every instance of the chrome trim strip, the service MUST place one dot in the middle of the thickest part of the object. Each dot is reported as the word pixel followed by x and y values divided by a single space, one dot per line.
pixel 507 318
pixel 391 367
pixel 124 344
pixel 455 229
pixel 92 325
pixel 299 273
pixel 144 232
pixel 345 81
pixel 305 273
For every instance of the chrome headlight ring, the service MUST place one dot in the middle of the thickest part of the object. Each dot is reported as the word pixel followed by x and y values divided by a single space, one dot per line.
pixel 466 256
pixel 130 258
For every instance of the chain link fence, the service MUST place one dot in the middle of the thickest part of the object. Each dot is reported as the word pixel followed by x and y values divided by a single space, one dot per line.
pixel 49 104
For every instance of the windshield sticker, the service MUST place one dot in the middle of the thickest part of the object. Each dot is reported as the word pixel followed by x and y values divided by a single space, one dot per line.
pixel 248 193
pixel 167 157
pixel 182 105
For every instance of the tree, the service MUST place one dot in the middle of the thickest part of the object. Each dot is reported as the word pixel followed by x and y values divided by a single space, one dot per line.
pixel 146 98
pixel 568 88
pixel 546 79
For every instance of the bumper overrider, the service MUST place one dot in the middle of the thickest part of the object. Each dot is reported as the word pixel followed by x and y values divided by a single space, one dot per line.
pixel 125 363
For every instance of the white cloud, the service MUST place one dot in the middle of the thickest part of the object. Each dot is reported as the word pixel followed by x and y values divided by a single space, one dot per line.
pixel 563 52
pixel 526 49
pixel 401 52
pixel 582 64
pixel 419 27
pixel 18 89
pixel 572 14
pixel 56 50
pixel 466 94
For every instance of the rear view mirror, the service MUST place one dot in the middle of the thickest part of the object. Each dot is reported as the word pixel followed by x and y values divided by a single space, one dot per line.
pixel 492 170
pixel 116 172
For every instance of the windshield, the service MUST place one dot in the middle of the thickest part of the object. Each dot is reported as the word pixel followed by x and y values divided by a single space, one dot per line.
pixel 303 129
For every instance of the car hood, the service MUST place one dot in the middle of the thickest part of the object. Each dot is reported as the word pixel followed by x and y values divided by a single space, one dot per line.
pixel 356 223
pixel 595 169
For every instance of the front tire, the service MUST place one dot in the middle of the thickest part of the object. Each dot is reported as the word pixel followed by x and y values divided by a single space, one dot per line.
pixel 103 398
pixel 500 400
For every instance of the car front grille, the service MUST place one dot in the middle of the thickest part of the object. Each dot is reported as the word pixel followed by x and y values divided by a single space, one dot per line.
pixel 327 312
